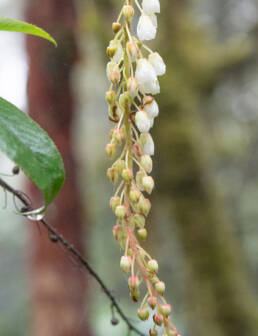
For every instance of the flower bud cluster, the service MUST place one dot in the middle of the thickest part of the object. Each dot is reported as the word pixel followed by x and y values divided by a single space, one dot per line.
pixel 133 71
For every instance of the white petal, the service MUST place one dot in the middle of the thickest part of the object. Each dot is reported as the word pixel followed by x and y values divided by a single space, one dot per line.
pixel 142 121
pixel 158 64
pixel 151 87
pixel 152 109
pixel 146 28
pixel 145 72
pixel 154 20
pixel 147 143
pixel 151 6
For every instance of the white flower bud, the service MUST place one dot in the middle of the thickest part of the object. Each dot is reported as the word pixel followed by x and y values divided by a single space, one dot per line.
pixel 151 6
pixel 151 106
pixel 158 64
pixel 118 50
pixel 113 73
pixel 154 20
pixel 146 163
pixel 142 121
pixel 125 263
pixel 139 176
pixel 148 184
pixel 147 143
pixel 145 72
pixel 132 86
pixel 151 87
pixel 151 122
pixel 132 50
pixel 128 12
pixel 146 28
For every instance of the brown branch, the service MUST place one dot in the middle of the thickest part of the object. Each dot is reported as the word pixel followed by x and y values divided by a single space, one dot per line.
pixel 57 237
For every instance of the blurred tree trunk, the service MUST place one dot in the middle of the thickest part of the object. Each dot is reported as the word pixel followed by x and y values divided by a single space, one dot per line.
pixel 58 287
pixel 218 295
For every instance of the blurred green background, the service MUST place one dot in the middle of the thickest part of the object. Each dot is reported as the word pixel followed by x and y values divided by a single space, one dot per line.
pixel 203 227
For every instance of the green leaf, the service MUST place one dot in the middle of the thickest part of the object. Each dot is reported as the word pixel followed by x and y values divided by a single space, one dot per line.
pixel 30 147
pixel 24 27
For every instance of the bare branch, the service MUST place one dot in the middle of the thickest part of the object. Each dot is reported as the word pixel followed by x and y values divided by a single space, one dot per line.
pixel 57 237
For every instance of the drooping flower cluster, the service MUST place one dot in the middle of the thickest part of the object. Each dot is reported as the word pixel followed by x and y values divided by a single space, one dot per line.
pixel 133 72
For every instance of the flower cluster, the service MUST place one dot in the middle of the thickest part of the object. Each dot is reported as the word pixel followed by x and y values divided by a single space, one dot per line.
pixel 133 72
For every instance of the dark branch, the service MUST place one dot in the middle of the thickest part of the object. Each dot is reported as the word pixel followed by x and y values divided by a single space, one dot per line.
pixel 57 237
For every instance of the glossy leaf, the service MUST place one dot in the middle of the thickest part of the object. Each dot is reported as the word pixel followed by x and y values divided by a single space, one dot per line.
pixel 30 147
pixel 24 27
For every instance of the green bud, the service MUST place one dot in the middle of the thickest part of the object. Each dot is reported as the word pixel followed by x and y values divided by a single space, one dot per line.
pixel 153 266
pixel 120 211
pixel 166 310
pixel 111 149
pixel 146 163
pixel 116 26
pixel 127 175
pixel 160 287
pixel 120 165
pixel 125 100
pixel 112 175
pixel 111 51
pixel 128 12
pixel 114 202
pixel 138 221
pixel 111 97
pixel 134 195
pixel 143 314
pixel 142 234
pixel 144 206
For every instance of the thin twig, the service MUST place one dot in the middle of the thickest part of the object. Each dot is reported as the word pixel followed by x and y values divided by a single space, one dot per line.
pixel 59 238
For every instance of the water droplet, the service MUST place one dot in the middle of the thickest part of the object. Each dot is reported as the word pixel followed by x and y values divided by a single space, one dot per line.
pixel 35 215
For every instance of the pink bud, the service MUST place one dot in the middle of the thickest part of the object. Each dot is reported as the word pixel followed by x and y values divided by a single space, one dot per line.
pixel 153 332
pixel 152 302
pixel 158 319
pixel 133 282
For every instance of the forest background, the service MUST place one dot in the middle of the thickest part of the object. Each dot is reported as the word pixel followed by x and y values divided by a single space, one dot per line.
pixel 203 226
